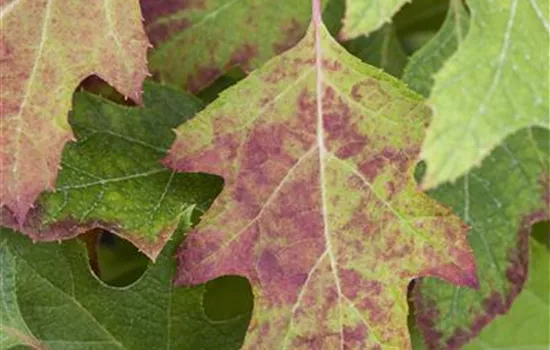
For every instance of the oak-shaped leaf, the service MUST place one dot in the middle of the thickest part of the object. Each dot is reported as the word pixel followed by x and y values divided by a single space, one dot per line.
pixel 52 300
pixel 111 176
pixel 46 48
pixel 494 85
pixel 320 209
pixel 195 42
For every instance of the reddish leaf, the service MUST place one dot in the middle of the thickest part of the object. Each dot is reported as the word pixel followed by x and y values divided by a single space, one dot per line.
pixel 46 48
pixel 196 41
pixel 320 209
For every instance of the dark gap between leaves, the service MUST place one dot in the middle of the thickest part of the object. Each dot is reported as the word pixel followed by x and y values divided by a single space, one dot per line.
pixel 541 232
pixel 114 260
pixel 212 91
pixel 227 297
pixel 95 85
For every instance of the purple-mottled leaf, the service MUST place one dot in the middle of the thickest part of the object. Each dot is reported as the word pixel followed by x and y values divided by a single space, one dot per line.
pixel 320 209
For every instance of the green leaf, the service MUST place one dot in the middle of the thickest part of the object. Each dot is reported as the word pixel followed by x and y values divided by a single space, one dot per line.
pixel 429 59
pixel 525 326
pixel 195 42
pixel 363 17
pixel 381 49
pixel 111 177
pixel 320 209
pixel 51 300
pixel 499 201
pixel 421 16
pixel 495 85
pixel 45 53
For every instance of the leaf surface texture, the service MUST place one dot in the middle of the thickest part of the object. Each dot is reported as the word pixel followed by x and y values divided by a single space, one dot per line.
pixel 197 41
pixel 363 17
pixel 320 209
pixel 112 178
pixel 45 54
pixel 51 300
pixel 495 85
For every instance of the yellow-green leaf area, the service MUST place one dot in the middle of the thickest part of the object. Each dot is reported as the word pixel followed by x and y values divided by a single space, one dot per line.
pixel 495 84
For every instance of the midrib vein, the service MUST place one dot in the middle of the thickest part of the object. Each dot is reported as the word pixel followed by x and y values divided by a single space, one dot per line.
pixel 322 154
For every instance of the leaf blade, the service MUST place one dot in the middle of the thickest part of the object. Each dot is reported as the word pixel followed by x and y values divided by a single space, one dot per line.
pixel 500 201
pixel 219 35
pixel 65 306
pixel 38 62
pixel 461 136
pixel 111 176
pixel 364 17
pixel 317 95
pixel 518 328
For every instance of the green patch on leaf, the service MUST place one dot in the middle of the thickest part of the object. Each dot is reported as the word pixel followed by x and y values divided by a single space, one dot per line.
pixel 430 58
pixel 363 17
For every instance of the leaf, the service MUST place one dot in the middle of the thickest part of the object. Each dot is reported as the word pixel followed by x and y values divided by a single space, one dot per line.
pixel 111 177
pixel 320 210
pixel 197 41
pixel 420 16
pixel 45 53
pixel 500 201
pixel 363 17
pixel 526 324
pixel 495 85
pixel 381 49
pixel 52 301
pixel 429 60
